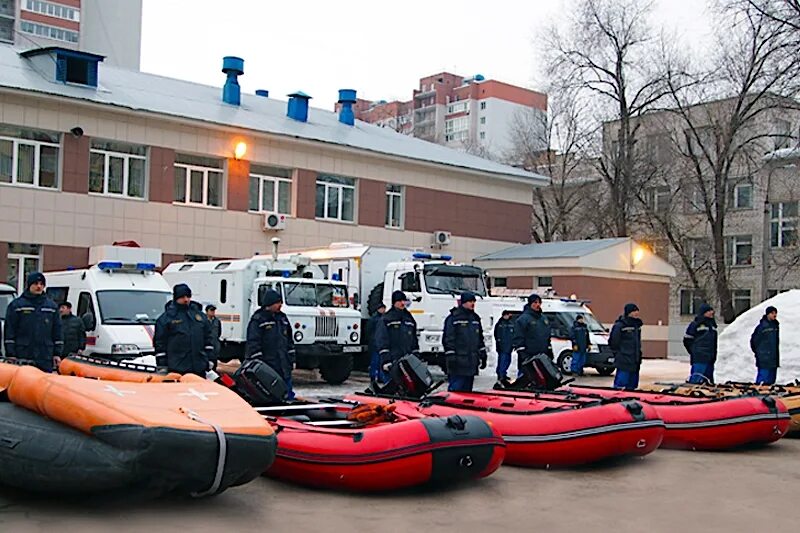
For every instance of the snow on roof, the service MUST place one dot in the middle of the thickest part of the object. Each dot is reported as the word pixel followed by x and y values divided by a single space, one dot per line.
pixel 140 91
pixel 553 249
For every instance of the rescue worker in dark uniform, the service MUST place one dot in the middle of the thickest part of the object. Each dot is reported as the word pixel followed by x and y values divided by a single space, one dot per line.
pixel 33 327
pixel 396 334
pixel 183 334
pixel 73 330
pixel 580 345
pixel 216 332
pixel 625 341
pixel 375 370
pixel 532 332
pixel 464 348
pixel 503 338
pixel 700 340
pixel 765 343
pixel 269 338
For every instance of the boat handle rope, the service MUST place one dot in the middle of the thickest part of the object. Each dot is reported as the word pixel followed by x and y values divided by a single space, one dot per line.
pixel 223 450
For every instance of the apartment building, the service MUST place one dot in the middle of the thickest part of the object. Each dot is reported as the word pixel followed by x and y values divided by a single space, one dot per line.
pixel 112 28
pixel 92 154
pixel 466 113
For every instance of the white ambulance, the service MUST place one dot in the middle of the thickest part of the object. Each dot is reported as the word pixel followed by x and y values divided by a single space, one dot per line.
pixel 118 298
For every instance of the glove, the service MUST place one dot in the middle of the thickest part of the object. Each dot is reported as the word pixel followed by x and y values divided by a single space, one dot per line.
pixel 386 367
pixel 212 365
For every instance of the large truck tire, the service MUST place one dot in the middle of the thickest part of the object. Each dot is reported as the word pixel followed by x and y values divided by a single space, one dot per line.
pixel 336 370
pixel 375 299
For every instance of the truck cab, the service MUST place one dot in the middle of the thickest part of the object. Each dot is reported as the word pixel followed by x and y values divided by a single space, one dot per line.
pixel 7 294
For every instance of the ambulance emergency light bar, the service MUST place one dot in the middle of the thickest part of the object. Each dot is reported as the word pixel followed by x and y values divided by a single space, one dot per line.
pixel 441 257
pixel 109 266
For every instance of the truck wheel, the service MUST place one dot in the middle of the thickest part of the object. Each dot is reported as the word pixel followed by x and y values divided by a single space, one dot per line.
pixel 565 362
pixel 375 299
pixel 606 371
pixel 335 370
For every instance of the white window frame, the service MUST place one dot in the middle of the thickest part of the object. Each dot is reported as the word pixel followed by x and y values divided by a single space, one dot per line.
pixel 275 190
pixel 781 220
pixel 734 241
pixel 21 275
pixel 341 187
pixel 664 192
pixel 49 32
pixel 205 171
pixel 740 296
pixel 735 198
pixel 692 303
pixel 126 168
pixel 52 10
pixel 391 194
pixel 37 153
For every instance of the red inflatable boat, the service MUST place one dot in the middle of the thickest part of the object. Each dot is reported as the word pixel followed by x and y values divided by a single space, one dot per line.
pixel 546 434
pixel 318 446
pixel 696 423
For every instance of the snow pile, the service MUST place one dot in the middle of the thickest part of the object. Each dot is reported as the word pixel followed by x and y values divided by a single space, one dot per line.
pixel 735 360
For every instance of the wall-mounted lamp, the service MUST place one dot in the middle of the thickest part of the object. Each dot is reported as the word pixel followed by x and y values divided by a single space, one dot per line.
pixel 240 150
pixel 637 254
pixel 76 132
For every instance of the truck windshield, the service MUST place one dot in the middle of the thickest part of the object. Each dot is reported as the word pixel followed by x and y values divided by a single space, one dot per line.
pixel 5 299
pixel 314 295
pixel 451 279
pixel 131 307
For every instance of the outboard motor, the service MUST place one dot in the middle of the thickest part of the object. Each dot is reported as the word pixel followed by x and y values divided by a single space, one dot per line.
pixel 409 378
pixel 538 373
pixel 259 384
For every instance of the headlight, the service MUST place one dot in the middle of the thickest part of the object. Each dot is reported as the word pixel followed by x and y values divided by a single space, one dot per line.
pixel 298 336
pixel 124 348
pixel 354 337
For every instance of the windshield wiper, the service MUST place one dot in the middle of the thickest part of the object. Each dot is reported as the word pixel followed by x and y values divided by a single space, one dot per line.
pixel 118 319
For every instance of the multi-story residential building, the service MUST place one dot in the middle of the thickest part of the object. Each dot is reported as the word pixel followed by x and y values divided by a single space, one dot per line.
pixel 91 154
pixel 113 29
pixel 473 114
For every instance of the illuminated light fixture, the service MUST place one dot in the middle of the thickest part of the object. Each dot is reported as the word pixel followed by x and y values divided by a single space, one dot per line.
pixel 637 255
pixel 240 150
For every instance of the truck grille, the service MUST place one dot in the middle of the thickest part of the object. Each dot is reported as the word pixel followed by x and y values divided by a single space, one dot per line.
pixel 327 326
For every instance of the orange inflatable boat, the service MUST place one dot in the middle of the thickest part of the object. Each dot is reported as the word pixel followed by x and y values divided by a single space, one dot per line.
pixel 105 369
pixel 70 435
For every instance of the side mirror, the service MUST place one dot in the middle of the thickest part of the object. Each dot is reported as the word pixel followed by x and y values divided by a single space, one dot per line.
pixel 89 322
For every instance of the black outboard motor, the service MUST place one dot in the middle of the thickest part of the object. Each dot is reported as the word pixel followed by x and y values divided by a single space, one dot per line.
pixel 409 378
pixel 538 373
pixel 259 384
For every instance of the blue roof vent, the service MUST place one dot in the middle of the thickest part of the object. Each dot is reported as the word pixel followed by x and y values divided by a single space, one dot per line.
pixel 262 92
pixel 347 97
pixel 71 66
pixel 479 77
pixel 233 67
pixel 298 106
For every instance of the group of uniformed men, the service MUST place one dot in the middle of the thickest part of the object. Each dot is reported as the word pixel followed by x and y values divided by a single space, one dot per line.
pixel 187 340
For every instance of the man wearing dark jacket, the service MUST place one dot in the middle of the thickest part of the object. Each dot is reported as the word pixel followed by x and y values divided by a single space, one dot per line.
pixel 765 343
pixel 503 338
pixel 396 333
pixel 700 340
pixel 464 348
pixel 216 332
pixel 532 332
pixel 183 334
pixel 73 330
pixel 580 345
pixel 625 341
pixel 375 371
pixel 33 328
pixel 269 338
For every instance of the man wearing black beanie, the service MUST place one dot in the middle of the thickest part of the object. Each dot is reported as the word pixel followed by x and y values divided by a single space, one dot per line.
pixel 625 341
pixel 183 334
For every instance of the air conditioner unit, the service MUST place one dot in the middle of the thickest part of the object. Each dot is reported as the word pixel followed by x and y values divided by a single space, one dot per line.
pixel 441 238
pixel 274 222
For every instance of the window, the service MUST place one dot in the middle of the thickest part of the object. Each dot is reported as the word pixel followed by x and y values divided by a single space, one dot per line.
pixel 659 198
pixel 335 198
pixel 6 29
pixel 771 293
pixel 58 294
pixel 690 301
pixel 783 224
pixel 544 281
pixel 198 181
pixel 223 291
pixel 52 10
pixel 698 252
pixel 28 157
pixel 270 190
pixel 22 260
pixel 739 250
pixel 483 120
pixel 483 135
pixel 782 133
pixel 49 32
pixel 85 306
pixel 500 282
pixel 394 206
pixel 483 105
pixel 741 300
pixel 117 169
pixel 742 195
pixel 693 198
pixel 658 148
pixel 459 107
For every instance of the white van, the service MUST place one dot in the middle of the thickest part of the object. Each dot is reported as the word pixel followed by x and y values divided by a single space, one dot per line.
pixel 119 299
pixel 562 313
pixel 7 294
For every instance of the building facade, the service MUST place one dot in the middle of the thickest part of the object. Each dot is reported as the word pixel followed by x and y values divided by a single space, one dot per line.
pixel 113 29
pixel 170 165
pixel 473 114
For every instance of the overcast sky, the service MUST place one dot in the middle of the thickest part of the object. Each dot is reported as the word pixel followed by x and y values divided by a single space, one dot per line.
pixel 379 48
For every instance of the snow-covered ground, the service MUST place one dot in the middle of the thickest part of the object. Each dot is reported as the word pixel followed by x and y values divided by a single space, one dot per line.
pixel 735 360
